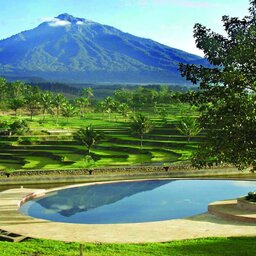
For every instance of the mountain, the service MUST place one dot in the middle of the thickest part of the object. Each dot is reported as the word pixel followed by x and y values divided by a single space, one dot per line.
pixel 69 49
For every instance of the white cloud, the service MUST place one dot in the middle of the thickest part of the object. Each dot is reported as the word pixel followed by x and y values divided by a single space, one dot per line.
pixel 54 22
pixel 79 22
pixel 59 23
pixel 47 19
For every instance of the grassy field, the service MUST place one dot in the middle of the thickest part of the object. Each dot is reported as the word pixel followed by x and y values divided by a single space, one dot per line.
pixel 243 246
pixel 50 145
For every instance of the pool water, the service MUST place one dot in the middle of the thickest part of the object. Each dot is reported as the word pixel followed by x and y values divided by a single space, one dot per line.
pixel 135 201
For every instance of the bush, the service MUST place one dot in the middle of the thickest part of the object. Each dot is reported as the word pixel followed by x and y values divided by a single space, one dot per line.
pixel 251 196
pixel 8 172
pixel 28 140
pixel 19 127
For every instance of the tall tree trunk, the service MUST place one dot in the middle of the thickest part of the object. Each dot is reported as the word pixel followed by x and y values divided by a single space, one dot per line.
pixel 57 112
pixel 141 142
pixel 44 114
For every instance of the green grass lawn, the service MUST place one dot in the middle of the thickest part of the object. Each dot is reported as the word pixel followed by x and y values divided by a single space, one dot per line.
pixel 243 246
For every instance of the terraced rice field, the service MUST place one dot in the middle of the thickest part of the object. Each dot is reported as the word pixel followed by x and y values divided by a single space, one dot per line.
pixel 56 148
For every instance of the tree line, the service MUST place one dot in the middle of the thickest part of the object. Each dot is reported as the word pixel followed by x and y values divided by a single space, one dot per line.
pixel 20 97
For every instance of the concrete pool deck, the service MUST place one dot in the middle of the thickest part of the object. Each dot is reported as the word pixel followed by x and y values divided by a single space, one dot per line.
pixel 204 225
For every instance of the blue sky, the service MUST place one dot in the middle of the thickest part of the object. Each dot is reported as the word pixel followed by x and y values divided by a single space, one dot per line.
pixel 167 21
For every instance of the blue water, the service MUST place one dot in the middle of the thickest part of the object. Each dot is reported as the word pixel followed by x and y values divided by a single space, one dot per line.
pixel 136 201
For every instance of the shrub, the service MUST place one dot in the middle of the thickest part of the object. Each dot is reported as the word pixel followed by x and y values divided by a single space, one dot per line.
pixel 28 140
pixel 19 127
pixel 251 196
pixel 8 172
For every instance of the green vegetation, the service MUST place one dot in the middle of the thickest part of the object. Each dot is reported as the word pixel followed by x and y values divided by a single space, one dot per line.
pixel 50 145
pixel 42 132
pixel 141 125
pixel 251 196
pixel 189 127
pixel 227 96
pixel 205 247
pixel 88 136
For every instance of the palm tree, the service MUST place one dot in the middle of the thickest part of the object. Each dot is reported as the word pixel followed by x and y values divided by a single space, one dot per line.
pixel 141 125
pixel 87 92
pixel 109 106
pixel 17 89
pixel 88 136
pixel 46 101
pixel 124 109
pixel 189 127
pixel 32 99
pixel 58 101
pixel 3 89
pixel 82 103
pixel 68 110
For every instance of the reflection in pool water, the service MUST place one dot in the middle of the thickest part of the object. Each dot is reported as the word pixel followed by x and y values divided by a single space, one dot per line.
pixel 136 201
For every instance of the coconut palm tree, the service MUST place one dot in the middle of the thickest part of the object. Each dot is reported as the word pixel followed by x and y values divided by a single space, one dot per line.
pixel 87 92
pixel 58 101
pixel 88 136
pixel 189 127
pixel 109 106
pixel 3 90
pixel 46 101
pixel 141 125
pixel 32 99
pixel 68 110
pixel 123 109
pixel 82 103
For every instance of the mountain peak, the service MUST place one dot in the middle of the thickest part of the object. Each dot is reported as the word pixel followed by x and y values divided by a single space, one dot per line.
pixel 69 18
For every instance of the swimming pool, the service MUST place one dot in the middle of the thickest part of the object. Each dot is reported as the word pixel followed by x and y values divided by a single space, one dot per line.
pixel 133 201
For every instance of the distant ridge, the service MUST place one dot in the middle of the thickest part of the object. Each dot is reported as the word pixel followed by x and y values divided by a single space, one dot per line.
pixel 70 49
